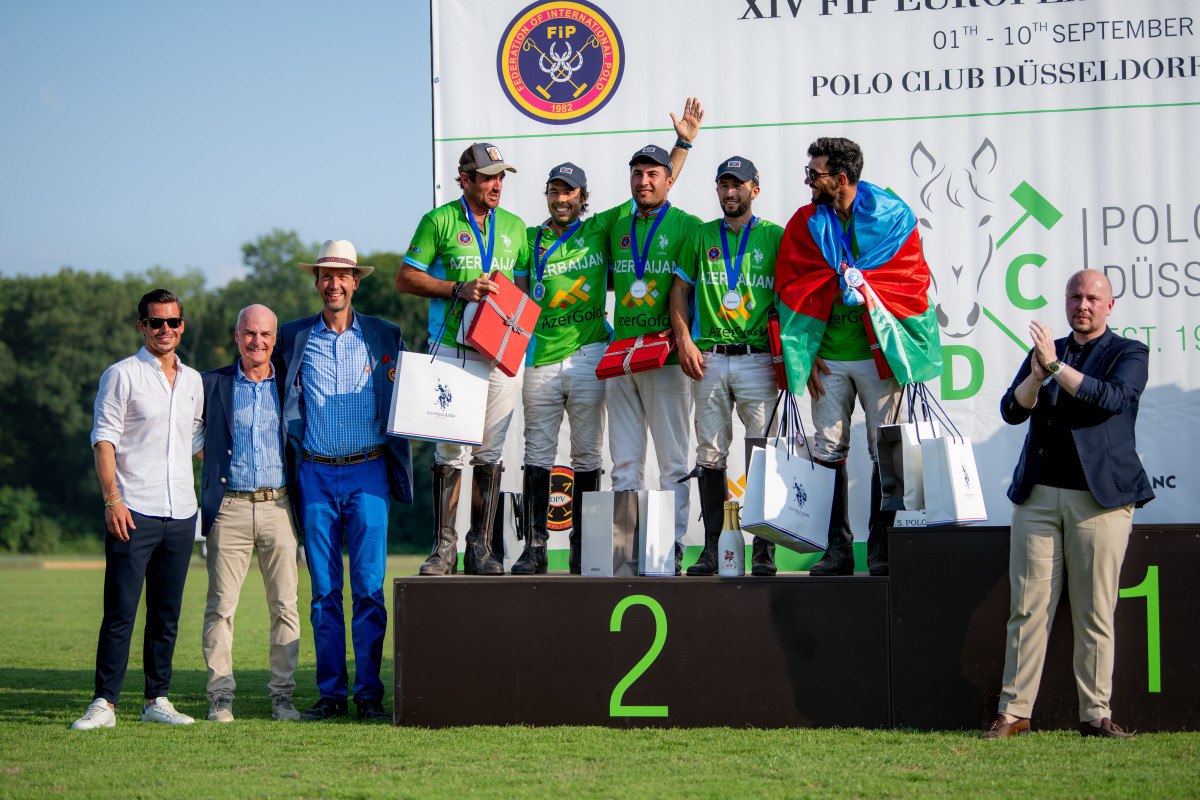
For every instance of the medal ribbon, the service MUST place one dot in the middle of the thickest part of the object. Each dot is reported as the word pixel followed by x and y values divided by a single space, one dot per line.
pixel 641 255
pixel 540 263
pixel 485 255
pixel 733 271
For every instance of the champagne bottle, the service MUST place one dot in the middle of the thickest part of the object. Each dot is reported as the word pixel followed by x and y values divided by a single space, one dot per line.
pixel 731 546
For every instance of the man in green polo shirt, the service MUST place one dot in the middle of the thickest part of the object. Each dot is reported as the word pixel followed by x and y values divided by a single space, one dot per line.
pixel 725 286
pixel 456 250
pixel 647 236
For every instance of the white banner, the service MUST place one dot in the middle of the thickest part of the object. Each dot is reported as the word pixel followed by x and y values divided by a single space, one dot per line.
pixel 1031 137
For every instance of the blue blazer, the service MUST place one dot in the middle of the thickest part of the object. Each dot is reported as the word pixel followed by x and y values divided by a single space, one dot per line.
pixel 218 441
pixel 384 341
pixel 1114 376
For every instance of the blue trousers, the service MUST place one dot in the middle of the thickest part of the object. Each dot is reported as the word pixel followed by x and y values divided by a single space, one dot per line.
pixel 346 504
pixel 156 555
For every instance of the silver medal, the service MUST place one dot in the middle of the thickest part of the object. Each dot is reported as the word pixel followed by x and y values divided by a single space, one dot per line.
pixel 854 277
pixel 731 300
pixel 539 291
pixel 638 289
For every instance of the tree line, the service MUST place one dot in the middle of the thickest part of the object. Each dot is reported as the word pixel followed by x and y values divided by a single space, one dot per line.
pixel 59 332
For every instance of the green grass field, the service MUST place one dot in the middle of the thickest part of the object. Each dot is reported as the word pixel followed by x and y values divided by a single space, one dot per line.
pixel 47 651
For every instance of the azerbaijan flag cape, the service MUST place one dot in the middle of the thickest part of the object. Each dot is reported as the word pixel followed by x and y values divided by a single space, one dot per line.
pixel 810 275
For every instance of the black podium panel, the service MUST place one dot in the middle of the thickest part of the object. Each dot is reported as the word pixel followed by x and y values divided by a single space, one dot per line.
pixel 950 599
pixel 561 650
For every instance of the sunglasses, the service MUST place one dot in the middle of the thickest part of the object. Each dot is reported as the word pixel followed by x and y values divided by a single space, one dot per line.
pixel 812 174
pixel 157 322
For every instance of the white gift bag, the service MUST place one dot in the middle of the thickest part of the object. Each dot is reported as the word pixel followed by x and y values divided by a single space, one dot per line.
pixel 901 475
pixel 441 398
pixel 628 534
pixel 788 498
pixel 952 491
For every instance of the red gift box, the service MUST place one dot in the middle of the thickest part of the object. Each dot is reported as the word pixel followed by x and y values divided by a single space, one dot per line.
pixel 637 354
pixel 776 344
pixel 503 326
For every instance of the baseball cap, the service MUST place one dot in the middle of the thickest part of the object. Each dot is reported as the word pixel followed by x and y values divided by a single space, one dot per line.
pixel 741 168
pixel 483 158
pixel 570 174
pixel 652 154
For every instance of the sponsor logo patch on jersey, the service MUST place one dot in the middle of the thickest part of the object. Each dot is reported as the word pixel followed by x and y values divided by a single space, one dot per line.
pixel 560 62
pixel 625 242
pixel 714 253
pixel 464 238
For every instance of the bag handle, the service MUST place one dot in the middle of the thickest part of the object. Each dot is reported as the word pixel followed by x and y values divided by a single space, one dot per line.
pixel 459 351
pixel 937 412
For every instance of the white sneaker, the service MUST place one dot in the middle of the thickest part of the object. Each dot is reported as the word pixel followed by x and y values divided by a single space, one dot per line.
pixel 163 711
pixel 221 709
pixel 98 715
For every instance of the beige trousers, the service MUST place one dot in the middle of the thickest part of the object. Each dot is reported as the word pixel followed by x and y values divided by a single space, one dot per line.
pixel 1052 531
pixel 240 527
pixel 745 383
pixel 831 411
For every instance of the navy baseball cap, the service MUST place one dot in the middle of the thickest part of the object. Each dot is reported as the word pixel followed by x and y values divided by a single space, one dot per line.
pixel 652 154
pixel 570 174
pixel 741 168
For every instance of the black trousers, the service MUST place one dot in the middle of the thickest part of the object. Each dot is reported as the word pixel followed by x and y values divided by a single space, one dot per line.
pixel 157 553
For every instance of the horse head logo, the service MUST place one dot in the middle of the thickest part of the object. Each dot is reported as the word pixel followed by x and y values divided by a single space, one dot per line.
pixel 956 215
pixel 444 398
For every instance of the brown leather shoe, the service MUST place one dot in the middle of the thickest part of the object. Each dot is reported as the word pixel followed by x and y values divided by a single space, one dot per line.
pixel 1002 729
pixel 1107 730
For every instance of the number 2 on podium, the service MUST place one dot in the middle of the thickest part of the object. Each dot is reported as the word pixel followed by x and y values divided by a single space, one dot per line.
pixel 615 707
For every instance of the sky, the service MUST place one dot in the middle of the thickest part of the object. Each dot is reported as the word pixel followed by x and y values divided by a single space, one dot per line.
pixel 142 134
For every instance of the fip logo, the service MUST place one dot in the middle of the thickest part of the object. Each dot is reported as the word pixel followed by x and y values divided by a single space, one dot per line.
pixel 560 62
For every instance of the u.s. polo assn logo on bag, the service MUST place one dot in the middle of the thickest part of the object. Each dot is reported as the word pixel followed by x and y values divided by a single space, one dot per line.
pixel 444 397
pixel 799 494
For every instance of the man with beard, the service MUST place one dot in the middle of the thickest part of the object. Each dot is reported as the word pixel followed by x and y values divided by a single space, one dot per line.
pixel 725 286
pixel 452 257
pixel 345 471
pixel 856 322
pixel 1073 492
pixel 148 423
pixel 647 237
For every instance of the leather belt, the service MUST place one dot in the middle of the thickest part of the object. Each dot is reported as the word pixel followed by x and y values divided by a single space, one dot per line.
pixel 736 349
pixel 342 461
pixel 259 495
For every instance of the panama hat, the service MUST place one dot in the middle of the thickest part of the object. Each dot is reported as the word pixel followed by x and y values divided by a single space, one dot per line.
pixel 338 254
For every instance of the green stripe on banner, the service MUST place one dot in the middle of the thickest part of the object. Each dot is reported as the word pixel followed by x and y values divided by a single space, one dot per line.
pixel 810 123
pixel 911 345
pixel 987 313
pixel 801 337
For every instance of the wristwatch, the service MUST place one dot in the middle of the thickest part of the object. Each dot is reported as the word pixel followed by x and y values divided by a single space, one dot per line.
pixel 1054 366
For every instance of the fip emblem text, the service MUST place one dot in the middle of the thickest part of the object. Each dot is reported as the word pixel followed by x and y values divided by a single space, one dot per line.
pixel 560 62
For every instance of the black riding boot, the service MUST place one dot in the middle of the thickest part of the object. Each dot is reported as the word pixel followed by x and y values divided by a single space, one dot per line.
pixel 588 481
pixel 839 557
pixel 713 493
pixel 485 499
pixel 535 495
pixel 447 481
pixel 762 558
pixel 877 530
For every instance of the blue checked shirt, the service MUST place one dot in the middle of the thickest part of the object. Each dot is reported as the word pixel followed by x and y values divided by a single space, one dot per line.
pixel 257 436
pixel 339 393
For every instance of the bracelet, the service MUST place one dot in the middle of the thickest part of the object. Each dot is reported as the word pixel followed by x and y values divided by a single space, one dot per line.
pixel 113 503
pixel 112 494
pixel 683 144
pixel 457 286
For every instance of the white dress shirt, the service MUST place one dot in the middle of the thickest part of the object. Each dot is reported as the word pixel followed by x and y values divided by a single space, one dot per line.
pixel 155 429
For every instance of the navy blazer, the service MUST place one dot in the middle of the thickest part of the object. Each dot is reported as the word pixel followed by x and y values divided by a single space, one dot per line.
pixel 218 441
pixel 1114 376
pixel 384 342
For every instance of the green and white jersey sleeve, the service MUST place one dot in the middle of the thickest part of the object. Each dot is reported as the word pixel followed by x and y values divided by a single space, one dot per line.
pixel 575 280
pixel 704 268
pixel 445 246
pixel 650 313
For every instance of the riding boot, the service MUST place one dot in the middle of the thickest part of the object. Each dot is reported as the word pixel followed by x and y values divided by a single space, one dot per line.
pixel 713 493
pixel 839 557
pixel 485 499
pixel 588 481
pixel 535 495
pixel 447 481
pixel 762 558
pixel 877 530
